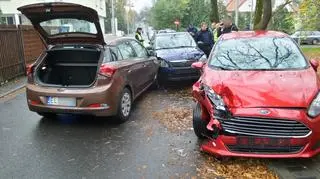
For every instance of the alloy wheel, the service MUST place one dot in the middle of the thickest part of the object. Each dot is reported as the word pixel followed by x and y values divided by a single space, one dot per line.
pixel 126 104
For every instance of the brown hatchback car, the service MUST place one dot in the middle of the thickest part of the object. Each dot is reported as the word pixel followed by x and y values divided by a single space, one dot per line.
pixel 79 73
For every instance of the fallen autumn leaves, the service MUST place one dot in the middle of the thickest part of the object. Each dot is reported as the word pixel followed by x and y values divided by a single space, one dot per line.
pixel 238 168
pixel 175 118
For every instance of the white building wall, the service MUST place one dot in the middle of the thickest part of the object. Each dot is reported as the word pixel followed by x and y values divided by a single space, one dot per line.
pixel 9 7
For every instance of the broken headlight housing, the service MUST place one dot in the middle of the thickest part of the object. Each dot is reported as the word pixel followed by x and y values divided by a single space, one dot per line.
pixel 215 99
pixel 314 109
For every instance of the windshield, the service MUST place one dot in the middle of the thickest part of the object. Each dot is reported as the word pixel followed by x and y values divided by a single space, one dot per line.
pixel 174 41
pixel 58 26
pixel 257 54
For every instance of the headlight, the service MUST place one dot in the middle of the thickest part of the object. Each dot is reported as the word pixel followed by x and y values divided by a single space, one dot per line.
pixel 216 99
pixel 163 63
pixel 203 58
pixel 314 109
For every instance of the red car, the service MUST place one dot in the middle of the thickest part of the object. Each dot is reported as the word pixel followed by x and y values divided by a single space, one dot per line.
pixel 258 96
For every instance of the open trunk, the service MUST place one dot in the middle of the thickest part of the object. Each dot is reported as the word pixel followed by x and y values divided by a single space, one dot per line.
pixel 69 67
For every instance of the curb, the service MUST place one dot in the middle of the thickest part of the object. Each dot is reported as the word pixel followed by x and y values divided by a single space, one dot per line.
pixel 12 90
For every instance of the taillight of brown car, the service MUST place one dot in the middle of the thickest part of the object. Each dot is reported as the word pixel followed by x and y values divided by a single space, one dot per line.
pixel 107 70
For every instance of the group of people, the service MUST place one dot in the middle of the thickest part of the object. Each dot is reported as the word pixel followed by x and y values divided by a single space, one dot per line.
pixel 206 37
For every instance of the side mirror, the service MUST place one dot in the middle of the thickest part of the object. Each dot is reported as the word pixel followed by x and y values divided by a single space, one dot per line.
pixel 197 65
pixel 314 64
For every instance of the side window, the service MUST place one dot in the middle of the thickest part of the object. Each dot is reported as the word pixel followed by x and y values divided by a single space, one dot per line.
pixel 139 49
pixel 107 56
pixel 115 53
pixel 126 50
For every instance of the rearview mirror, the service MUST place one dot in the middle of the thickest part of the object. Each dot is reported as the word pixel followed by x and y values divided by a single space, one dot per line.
pixel 314 64
pixel 197 65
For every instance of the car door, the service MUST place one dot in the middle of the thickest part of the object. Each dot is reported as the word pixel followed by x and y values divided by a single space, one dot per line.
pixel 149 69
pixel 135 67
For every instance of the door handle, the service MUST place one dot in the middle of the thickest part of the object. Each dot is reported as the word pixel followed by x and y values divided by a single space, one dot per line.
pixel 144 65
pixel 129 71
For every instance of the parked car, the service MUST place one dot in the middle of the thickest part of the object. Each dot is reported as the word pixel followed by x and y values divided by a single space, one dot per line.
pixel 78 73
pixel 307 37
pixel 176 52
pixel 258 96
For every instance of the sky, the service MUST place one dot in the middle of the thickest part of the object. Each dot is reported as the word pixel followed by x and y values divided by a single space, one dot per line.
pixel 140 4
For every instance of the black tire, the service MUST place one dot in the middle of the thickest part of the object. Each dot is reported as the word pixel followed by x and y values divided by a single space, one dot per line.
pixel 122 116
pixel 199 125
pixel 47 115
pixel 156 84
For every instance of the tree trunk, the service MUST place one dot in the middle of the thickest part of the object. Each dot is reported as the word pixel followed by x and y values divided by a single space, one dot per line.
pixel 258 14
pixel 263 14
pixel 214 11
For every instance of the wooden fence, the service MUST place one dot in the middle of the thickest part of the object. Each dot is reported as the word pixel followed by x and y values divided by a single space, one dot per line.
pixel 19 46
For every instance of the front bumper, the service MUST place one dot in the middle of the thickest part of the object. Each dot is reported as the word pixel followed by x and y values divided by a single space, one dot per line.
pixel 226 144
pixel 178 73
pixel 310 147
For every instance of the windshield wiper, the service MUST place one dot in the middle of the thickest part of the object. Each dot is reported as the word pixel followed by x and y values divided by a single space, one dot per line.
pixel 174 47
pixel 221 68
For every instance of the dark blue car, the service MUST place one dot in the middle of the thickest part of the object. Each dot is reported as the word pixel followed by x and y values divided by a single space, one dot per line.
pixel 176 52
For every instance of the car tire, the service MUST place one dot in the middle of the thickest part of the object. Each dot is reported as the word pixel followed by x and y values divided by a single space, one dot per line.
pixel 124 107
pixel 199 125
pixel 47 115
pixel 315 42
pixel 156 83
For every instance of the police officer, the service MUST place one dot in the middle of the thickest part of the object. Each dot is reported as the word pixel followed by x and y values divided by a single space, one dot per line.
pixel 138 35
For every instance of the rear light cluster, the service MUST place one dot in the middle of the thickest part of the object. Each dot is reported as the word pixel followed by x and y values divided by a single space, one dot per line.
pixel 30 69
pixel 107 70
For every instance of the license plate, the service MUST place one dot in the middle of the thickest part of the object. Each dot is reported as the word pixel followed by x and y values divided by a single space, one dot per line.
pixel 61 101
pixel 262 141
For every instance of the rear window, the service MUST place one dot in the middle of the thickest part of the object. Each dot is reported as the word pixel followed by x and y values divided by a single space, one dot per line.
pixel 270 53
pixel 58 26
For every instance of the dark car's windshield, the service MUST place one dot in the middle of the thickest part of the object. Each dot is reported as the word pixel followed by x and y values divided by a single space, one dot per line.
pixel 175 40
pixel 269 53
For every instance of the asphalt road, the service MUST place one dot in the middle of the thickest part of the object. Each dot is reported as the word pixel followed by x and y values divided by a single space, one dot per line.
pixel 85 147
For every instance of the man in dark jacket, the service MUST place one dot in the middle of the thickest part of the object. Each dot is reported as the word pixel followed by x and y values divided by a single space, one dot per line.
pixel 192 30
pixel 226 26
pixel 204 39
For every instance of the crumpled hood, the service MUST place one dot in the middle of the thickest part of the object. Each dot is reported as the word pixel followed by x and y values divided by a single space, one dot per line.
pixel 249 89
pixel 190 53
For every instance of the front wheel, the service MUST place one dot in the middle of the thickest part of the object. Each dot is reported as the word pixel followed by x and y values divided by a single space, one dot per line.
pixel 199 125
pixel 315 42
pixel 124 107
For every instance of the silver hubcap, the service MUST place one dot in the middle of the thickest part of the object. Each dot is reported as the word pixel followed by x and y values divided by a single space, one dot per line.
pixel 126 104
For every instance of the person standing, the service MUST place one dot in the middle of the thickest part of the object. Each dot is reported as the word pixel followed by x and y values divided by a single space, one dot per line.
pixel 192 31
pixel 138 35
pixel 205 39
pixel 226 26
pixel 214 27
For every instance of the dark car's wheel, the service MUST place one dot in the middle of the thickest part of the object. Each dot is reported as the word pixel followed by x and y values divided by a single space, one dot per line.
pixel 315 42
pixel 156 83
pixel 47 115
pixel 199 125
pixel 124 107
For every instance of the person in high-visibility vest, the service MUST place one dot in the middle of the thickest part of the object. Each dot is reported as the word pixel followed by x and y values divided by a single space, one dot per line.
pixel 214 27
pixel 138 35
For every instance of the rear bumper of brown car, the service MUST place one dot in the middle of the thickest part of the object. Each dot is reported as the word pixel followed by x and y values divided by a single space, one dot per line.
pixel 97 101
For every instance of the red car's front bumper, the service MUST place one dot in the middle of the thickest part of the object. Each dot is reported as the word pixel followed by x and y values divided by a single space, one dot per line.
pixel 295 147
